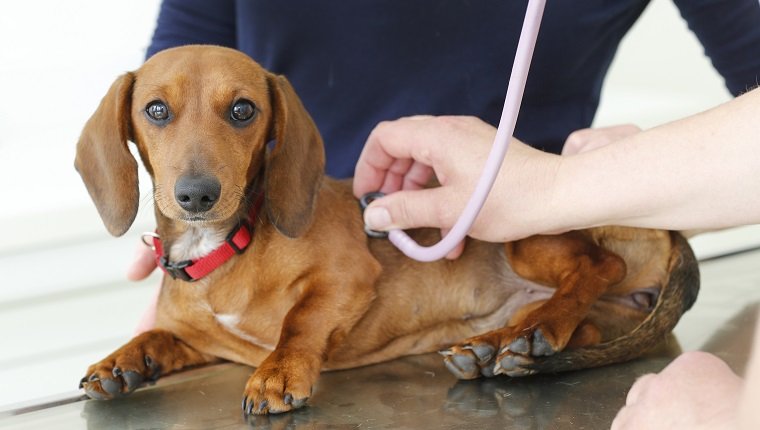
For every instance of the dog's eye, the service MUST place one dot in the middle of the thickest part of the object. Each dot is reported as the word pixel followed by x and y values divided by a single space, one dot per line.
pixel 242 111
pixel 157 111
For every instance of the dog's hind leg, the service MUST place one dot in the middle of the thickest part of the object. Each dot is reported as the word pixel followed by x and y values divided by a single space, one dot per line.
pixel 579 269
pixel 143 359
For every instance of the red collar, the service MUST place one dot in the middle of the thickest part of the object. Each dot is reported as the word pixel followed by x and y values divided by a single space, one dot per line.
pixel 235 243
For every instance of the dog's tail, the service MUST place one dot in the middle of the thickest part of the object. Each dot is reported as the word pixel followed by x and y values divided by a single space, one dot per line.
pixel 676 297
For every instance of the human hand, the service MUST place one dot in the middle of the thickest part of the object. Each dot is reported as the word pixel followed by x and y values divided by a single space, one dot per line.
pixel 401 156
pixel 696 391
pixel 591 138
pixel 143 264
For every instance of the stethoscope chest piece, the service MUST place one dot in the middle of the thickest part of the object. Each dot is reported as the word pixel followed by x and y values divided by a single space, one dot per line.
pixel 364 201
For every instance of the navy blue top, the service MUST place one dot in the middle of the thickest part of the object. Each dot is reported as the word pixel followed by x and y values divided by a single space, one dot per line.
pixel 355 63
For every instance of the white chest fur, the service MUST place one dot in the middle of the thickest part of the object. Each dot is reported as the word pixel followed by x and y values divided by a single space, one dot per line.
pixel 196 242
pixel 231 322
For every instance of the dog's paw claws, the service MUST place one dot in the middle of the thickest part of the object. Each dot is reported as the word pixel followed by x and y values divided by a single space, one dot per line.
pixel 254 407
pixel 248 406
pixel 272 389
pixel 262 408
pixel 497 370
pixel 116 377
pixel 122 383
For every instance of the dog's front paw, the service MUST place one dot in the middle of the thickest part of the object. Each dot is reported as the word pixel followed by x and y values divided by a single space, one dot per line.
pixel 282 383
pixel 142 359
pixel 119 374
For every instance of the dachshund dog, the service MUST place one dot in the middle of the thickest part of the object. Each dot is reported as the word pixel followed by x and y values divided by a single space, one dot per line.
pixel 268 263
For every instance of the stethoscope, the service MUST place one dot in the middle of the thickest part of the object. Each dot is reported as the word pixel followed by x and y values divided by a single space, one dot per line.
pixel 515 90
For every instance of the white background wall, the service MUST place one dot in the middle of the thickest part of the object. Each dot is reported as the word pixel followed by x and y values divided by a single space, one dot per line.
pixel 64 302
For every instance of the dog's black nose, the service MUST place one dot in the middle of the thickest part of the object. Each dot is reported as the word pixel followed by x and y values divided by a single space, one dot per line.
pixel 197 193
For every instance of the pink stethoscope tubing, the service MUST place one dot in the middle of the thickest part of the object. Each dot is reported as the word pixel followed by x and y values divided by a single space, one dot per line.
pixel 515 90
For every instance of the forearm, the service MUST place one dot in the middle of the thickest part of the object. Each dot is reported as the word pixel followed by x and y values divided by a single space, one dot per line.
pixel 699 172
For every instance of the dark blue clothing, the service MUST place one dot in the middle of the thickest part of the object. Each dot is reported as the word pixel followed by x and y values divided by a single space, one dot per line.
pixel 355 63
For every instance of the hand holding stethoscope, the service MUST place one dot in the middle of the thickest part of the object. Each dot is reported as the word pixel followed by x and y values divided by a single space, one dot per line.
pixel 504 133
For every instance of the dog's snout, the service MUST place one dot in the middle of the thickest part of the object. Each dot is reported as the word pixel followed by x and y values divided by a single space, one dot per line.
pixel 197 193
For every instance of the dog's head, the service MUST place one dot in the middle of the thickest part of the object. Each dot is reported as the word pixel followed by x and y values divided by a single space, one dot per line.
pixel 201 118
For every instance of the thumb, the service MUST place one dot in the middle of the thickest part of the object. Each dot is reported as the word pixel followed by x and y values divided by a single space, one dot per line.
pixel 411 209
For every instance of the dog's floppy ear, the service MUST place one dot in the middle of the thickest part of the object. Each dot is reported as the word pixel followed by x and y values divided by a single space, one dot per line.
pixel 294 168
pixel 103 160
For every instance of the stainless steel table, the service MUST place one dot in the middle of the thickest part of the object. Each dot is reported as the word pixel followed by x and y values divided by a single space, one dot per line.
pixel 418 393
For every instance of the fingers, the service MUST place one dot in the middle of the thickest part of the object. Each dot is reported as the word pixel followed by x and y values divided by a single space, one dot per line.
pixel 406 174
pixel 400 157
pixel 408 210
pixel 412 209
pixel 143 264
pixel 633 415
pixel 417 177
pixel 388 153
pixel 707 395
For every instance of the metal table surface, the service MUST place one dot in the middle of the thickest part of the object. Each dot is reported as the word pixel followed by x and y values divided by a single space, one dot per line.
pixel 417 392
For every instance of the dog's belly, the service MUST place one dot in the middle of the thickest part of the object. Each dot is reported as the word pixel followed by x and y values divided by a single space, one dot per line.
pixel 425 307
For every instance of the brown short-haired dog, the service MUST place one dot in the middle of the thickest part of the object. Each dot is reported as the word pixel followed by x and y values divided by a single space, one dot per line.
pixel 286 279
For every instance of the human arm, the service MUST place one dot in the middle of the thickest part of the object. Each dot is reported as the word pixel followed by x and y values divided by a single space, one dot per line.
pixel 699 172
pixel 591 138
